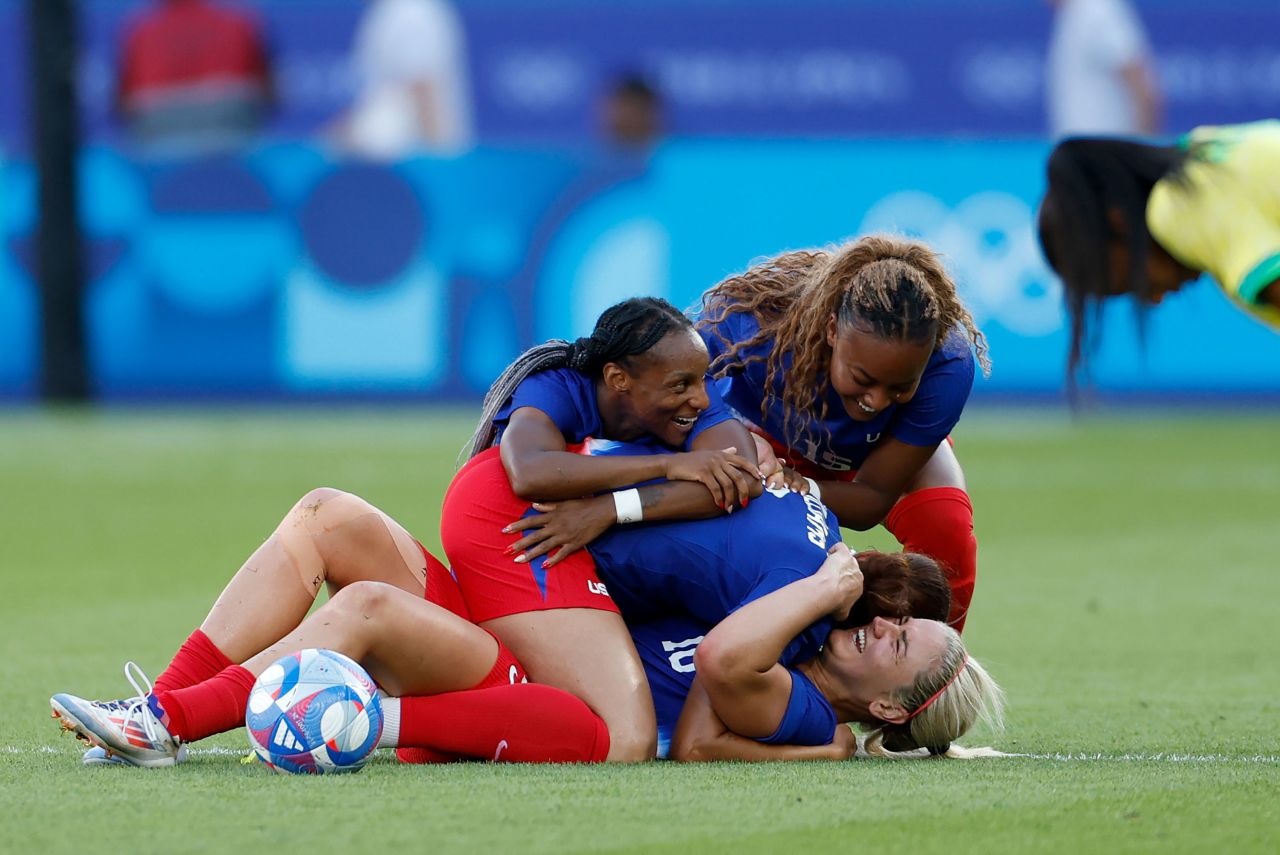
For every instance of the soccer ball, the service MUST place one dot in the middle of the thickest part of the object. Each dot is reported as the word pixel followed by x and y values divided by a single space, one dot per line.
pixel 314 712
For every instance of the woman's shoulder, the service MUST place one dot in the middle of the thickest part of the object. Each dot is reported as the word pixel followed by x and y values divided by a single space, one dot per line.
pixel 726 319
pixel 955 352
pixel 566 395
pixel 553 378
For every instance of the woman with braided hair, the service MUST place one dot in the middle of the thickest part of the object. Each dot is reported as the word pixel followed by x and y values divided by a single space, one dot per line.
pixel 855 362
pixel 1123 217
pixel 639 377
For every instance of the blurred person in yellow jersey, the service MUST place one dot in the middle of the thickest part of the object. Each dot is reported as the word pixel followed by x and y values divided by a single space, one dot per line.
pixel 1125 217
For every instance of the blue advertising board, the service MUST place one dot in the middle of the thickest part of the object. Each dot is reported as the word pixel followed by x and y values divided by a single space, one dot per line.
pixel 286 273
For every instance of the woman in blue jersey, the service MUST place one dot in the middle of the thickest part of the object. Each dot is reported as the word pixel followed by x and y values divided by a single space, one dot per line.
pixel 855 362
pixel 639 377
pixel 711 706
pixel 703 572
pixel 462 693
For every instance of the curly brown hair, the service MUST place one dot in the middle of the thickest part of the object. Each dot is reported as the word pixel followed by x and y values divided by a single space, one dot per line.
pixel 895 287
pixel 900 584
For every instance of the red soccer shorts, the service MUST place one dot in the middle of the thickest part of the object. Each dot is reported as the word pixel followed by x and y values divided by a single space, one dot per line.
pixel 478 504
pixel 442 589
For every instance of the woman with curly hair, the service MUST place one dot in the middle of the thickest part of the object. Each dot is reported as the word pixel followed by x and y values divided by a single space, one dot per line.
pixel 855 362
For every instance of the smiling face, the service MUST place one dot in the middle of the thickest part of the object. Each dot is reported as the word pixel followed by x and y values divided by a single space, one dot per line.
pixel 664 390
pixel 869 372
pixel 876 661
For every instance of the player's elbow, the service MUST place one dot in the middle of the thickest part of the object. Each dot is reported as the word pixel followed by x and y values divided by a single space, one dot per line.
pixel 720 665
pixel 867 516
pixel 525 480
pixel 691 749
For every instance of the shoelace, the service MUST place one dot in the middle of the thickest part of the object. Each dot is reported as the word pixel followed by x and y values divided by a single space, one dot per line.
pixel 137 708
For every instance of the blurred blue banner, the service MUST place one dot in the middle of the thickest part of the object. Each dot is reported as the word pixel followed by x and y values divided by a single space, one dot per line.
pixel 751 68
pixel 286 273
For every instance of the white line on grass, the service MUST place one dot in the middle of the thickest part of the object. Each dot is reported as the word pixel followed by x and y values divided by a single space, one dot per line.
pixel 215 751
pixel 1159 757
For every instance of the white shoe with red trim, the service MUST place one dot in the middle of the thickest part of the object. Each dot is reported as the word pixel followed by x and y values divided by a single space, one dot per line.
pixel 125 729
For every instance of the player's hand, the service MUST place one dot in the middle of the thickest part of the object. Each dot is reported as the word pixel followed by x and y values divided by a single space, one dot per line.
pixel 775 471
pixel 564 527
pixel 728 475
pixel 844 743
pixel 793 480
pixel 840 571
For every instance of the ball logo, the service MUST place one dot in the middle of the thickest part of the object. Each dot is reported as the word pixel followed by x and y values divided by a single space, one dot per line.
pixel 284 738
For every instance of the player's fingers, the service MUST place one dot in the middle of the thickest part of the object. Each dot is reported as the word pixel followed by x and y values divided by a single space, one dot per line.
pixel 742 485
pixel 541 549
pixel 728 488
pixel 744 465
pixel 523 523
pixel 709 481
pixel 560 554
pixel 531 539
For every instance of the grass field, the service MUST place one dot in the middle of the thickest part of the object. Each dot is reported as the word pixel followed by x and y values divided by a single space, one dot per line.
pixel 1127 600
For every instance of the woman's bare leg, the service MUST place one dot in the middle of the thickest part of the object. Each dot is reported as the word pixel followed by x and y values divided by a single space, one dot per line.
pixel 410 646
pixel 941 470
pixel 588 653
pixel 328 537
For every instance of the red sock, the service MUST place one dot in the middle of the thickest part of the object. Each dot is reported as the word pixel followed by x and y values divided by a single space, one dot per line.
pixel 214 706
pixel 197 660
pixel 519 723
pixel 425 755
pixel 938 522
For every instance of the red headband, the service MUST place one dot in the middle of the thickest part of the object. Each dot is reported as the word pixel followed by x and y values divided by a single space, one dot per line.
pixel 938 693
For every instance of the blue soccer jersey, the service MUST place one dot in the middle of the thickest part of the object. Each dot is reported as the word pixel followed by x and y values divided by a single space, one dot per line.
pixel 838 442
pixel 568 397
pixel 666 649
pixel 708 568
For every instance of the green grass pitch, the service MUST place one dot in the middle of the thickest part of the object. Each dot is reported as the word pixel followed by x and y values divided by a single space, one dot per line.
pixel 1127 600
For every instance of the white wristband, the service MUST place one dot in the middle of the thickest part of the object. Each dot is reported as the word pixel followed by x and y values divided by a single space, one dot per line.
pixel 814 489
pixel 627 507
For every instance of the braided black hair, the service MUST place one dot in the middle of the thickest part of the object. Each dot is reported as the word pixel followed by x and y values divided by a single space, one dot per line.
pixel 1087 179
pixel 624 330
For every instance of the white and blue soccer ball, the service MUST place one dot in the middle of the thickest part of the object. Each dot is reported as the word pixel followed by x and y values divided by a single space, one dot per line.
pixel 314 712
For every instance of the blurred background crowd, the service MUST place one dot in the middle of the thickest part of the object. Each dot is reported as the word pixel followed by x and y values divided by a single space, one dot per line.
pixel 335 198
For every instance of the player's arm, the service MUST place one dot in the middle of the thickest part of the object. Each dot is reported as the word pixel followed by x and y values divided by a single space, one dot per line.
pixel 737 662
pixel 694 492
pixel 534 455
pixel 702 735
pixel 695 499
pixel 882 479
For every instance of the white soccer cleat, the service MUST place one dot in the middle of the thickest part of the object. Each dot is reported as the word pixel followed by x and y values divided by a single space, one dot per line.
pixel 125 729
pixel 96 756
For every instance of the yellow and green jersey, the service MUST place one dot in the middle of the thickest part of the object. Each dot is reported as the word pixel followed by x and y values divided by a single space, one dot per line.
pixel 1221 214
